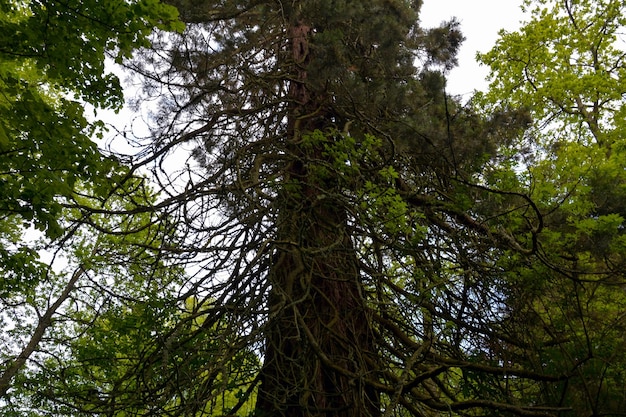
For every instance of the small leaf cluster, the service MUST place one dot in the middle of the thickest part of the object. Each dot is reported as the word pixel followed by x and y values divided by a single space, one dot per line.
pixel 363 177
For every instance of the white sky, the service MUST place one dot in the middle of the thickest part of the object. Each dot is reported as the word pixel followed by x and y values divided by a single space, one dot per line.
pixel 480 22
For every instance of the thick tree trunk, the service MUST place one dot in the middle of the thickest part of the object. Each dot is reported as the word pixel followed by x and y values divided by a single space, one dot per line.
pixel 318 336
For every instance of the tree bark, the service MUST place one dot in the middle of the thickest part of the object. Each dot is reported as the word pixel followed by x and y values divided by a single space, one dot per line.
pixel 318 335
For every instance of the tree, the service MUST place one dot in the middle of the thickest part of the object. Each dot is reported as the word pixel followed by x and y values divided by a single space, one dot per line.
pixel 329 203
pixel 565 67
pixel 47 156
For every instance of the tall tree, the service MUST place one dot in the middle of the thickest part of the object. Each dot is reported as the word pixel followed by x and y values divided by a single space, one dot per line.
pixel 328 202
pixel 52 57
pixel 565 67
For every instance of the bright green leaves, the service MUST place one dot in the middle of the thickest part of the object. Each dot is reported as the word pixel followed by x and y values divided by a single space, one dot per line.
pixel 359 173
pixel 67 41
pixel 48 53
pixel 341 153
pixel 48 149
pixel 565 64
pixel 566 67
pixel 384 206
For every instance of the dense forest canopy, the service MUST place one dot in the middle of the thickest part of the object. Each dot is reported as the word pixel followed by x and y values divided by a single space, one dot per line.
pixel 306 223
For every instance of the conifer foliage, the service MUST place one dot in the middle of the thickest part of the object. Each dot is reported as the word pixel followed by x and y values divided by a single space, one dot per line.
pixel 327 202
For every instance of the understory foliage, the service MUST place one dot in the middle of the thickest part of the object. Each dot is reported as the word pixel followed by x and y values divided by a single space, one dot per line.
pixel 307 224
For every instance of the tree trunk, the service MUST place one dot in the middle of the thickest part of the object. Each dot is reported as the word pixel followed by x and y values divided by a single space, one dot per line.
pixel 318 336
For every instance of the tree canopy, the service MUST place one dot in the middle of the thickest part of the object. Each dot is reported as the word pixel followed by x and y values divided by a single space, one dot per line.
pixel 308 224
pixel 53 177
pixel 565 67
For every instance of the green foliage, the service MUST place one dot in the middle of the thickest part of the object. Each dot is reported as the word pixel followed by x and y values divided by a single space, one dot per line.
pixel 147 357
pixel 50 52
pixel 357 164
pixel 565 67
pixel 52 64
pixel 66 42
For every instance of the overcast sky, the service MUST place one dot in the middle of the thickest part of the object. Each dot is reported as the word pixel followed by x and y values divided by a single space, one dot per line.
pixel 480 22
